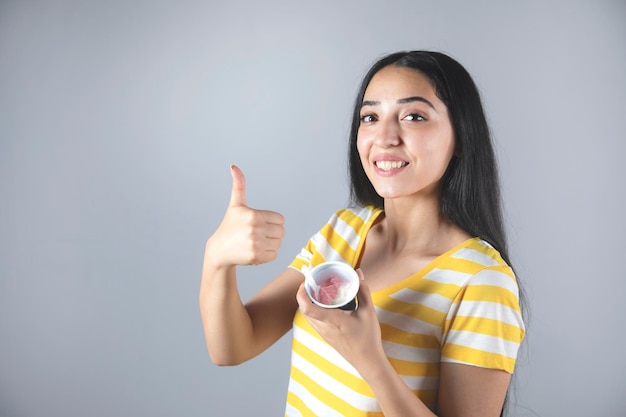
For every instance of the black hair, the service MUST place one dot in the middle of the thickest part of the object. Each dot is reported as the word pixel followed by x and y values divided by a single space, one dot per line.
pixel 470 190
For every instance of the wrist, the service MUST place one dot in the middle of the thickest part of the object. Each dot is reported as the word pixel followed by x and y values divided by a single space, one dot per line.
pixel 213 259
pixel 375 367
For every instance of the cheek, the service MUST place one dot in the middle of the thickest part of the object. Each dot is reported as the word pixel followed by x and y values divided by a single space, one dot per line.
pixel 451 149
pixel 362 147
pixel 441 148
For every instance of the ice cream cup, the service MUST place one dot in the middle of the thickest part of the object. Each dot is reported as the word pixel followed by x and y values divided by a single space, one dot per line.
pixel 332 285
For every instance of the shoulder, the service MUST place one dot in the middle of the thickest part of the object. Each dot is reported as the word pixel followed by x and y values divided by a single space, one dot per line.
pixel 351 221
pixel 483 268
pixel 480 252
pixel 355 214
pixel 475 255
pixel 341 237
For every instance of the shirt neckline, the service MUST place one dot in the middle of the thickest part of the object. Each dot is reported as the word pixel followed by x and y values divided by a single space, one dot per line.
pixel 376 213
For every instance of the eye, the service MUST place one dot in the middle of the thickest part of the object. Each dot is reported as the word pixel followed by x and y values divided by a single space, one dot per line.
pixel 368 118
pixel 414 117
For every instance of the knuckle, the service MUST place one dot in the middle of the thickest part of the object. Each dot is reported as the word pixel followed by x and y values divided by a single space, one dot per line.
pixel 254 258
pixel 245 215
pixel 251 236
pixel 257 254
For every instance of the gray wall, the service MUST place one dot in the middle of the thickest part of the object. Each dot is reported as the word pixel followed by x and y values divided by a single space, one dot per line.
pixel 119 119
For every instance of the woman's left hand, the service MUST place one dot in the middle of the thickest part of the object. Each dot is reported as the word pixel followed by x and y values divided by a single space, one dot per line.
pixel 355 334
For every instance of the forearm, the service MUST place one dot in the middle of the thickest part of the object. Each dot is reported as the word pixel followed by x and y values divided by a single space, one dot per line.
pixel 464 390
pixel 393 395
pixel 227 325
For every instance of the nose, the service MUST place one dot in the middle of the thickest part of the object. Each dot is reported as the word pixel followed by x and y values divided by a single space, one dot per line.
pixel 388 133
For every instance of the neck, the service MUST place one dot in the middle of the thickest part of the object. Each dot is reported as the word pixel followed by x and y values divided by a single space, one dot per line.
pixel 416 224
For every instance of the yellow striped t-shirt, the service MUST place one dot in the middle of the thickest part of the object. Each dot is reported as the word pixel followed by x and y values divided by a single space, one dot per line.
pixel 463 307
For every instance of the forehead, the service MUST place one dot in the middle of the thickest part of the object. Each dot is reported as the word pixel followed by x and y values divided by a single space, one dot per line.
pixel 394 82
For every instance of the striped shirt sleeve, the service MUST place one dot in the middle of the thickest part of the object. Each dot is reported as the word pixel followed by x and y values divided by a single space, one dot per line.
pixel 484 326
pixel 338 240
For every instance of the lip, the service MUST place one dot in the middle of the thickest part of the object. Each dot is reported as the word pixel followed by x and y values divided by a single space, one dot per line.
pixel 388 158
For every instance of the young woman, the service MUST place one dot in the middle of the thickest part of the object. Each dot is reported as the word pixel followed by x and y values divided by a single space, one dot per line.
pixel 439 323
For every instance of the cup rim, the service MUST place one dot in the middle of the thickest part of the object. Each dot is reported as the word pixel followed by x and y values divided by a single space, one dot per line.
pixel 346 271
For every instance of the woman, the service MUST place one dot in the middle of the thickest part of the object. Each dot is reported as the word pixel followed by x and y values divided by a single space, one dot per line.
pixel 438 325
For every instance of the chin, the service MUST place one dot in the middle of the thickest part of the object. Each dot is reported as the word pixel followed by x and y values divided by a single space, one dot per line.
pixel 394 194
pixel 389 194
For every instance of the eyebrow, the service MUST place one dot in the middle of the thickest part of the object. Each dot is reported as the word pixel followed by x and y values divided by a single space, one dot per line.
pixel 400 101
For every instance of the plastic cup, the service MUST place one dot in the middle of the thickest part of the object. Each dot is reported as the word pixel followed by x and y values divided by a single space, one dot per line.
pixel 342 276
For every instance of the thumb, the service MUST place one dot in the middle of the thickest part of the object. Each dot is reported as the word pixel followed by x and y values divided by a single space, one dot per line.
pixel 238 193
pixel 364 294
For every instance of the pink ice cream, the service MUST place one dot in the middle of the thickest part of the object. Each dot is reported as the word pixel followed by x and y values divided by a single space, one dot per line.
pixel 330 290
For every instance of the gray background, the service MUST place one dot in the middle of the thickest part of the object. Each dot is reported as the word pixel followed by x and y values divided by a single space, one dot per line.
pixel 119 119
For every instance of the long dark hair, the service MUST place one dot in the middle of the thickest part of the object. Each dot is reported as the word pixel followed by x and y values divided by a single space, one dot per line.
pixel 470 189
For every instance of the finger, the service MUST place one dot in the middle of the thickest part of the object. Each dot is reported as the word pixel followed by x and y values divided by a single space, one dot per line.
pixel 302 299
pixel 307 307
pixel 265 257
pixel 315 314
pixel 272 244
pixel 364 294
pixel 274 231
pixel 359 272
pixel 238 192
pixel 272 217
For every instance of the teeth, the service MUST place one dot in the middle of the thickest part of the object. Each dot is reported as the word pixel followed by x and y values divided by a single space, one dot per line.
pixel 389 165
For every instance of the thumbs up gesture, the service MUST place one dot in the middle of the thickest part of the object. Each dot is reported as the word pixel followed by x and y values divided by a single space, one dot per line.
pixel 245 236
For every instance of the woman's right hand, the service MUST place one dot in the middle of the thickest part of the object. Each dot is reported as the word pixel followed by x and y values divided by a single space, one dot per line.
pixel 245 236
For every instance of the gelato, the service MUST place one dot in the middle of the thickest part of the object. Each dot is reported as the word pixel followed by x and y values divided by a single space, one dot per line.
pixel 332 284
pixel 333 290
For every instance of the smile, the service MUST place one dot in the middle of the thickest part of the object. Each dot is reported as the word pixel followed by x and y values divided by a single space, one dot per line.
pixel 390 165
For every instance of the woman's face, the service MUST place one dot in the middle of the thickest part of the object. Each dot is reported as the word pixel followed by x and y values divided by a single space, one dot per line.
pixel 405 138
